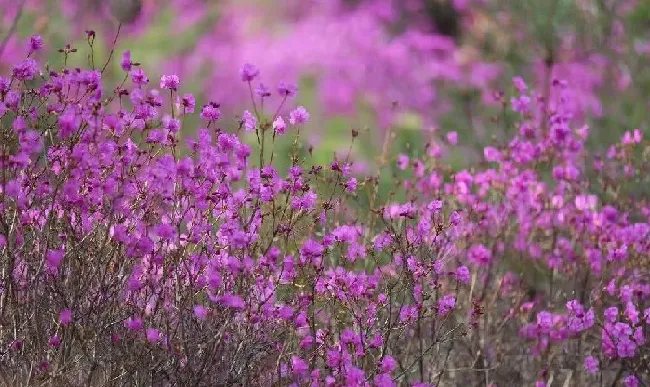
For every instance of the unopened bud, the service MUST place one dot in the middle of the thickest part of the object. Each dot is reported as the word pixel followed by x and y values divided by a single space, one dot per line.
pixel 126 11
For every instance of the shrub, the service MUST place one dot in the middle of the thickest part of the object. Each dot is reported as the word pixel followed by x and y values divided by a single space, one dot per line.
pixel 133 255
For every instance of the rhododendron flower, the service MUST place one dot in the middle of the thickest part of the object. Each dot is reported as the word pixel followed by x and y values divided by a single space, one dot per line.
pixel 249 120
pixel 452 138
pixel 279 126
pixel 232 301
pixel 139 77
pixel 153 335
pixel 248 72
pixel 133 323
pixel 298 116
pixel 287 89
pixel 25 70
pixel 188 103
pixel 170 82
pixel 35 43
pixel 591 364
pixel 210 112
pixel 299 366
pixel 631 381
pixel 462 274
pixel 200 312
pixel 65 316
pixel 388 364
pixel 126 63
pixel 446 304
pixel 611 314
pixel 479 255
pixel 54 341
pixel 402 162
pixel 384 380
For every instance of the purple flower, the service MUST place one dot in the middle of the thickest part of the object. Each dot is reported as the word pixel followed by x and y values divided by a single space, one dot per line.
pixel 153 335
pixel 287 89
pixel 384 380
pixel 351 185
pixel 211 112
pixel 491 154
pixel 626 348
pixel 611 314
pixel 65 317
pixel 126 63
pixel 35 43
pixel 544 321
pixel 454 218
pixel 446 305
pixel 171 124
pixel 139 77
pixel 388 364
pixel 25 70
pixel 12 189
pixel 54 258
pixel 133 323
pixel 230 300
pixel 519 83
pixel 188 103
pixel 298 116
pixel 402 162
pixel 54 341
pixel 452 138
pixel 249 120
pixel 462 274
pixel 631 381
pixel 248 72
pixel 279 126
pixel 591 364
pixel 200 312
pixel 169 82
pixel 520 104
pixel 408 313
pixel 299 366
pixel 479 255
pixel 262 91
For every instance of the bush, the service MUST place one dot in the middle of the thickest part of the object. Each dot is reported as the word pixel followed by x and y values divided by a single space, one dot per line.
pixel 131 255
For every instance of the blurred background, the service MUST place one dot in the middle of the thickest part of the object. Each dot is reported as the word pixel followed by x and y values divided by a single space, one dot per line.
pixel 420 67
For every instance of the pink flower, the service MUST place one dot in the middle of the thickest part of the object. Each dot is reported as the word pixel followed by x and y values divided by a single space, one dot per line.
pixel 153 335
pixel 299 366
pixel 126 63
pixel 54 341
pixel 452 138
pixel 249 121
pixel 35 43
pixel 279 126
pixel 65 316
pixel 462 274
pixel 388 364
pixel 133 323
pixel 591 364
pixel 298 116
pixel 446 305
pixel 232 301
pixel 200 312
pixel 169 82
pixel 248 72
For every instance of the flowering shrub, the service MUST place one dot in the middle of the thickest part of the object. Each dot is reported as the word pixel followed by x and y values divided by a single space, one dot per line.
pixel 133 253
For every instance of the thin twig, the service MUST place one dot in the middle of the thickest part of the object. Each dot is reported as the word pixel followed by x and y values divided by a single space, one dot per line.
pixel 110 56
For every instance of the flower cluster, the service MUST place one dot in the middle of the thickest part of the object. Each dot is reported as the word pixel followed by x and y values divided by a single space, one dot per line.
pixel 134 248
